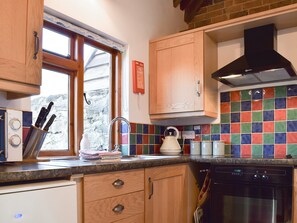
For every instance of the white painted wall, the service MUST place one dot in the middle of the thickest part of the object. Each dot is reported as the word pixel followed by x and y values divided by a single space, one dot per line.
pixel 134 22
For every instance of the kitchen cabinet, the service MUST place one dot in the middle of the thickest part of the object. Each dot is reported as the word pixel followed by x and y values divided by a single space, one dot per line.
pixel 170 194
pixel 114 197
pixel 180 76
pixel 21 50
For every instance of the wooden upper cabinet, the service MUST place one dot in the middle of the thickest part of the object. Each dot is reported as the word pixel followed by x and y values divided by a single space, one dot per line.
pixel 180 76
pixel 20 45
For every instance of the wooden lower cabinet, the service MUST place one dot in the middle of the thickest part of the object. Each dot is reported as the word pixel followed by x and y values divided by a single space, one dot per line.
pixel 169 192
pixel 114 197
pixel 152 195
pixel 105 210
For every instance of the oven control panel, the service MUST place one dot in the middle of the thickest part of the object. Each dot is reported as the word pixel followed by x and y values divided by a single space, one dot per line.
pixel 237 172
pixel 249 173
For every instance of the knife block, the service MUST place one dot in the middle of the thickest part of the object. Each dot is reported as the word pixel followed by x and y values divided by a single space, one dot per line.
pixel 33 143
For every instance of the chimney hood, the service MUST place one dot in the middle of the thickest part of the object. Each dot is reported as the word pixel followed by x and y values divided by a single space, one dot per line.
pixel 260 63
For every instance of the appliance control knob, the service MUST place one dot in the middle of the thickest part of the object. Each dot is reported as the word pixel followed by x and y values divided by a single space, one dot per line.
pixel 15 124
pixel 265 176
pixel 15 140
pixel 257 176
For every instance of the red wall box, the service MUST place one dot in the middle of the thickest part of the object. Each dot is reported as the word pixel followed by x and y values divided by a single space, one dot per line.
pixel 138 77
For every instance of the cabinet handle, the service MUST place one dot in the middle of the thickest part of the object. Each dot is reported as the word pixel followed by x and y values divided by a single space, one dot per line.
pixel 36 45
pixel 118 183
pixel 198 91
pixel 151 186
pixel 118 209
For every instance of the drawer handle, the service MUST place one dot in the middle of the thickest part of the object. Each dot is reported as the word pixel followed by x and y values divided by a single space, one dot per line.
pixel 36 45
pixel 118 183
pixel 118 209
pixel 151 188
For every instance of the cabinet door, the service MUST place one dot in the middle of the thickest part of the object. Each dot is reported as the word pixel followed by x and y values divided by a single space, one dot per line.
pixel 176 74
pixel 165 194
pixel 19 20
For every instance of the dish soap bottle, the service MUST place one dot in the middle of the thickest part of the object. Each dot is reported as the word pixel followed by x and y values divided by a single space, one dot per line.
pixel 84 142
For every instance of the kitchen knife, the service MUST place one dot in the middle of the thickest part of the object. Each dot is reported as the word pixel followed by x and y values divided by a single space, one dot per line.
pixel 46 113
pixel 40 117
pixel 50 122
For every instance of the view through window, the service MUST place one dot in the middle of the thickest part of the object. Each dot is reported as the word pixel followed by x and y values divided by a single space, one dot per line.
pixel 61 80
pixel 55 88
pixel 97 81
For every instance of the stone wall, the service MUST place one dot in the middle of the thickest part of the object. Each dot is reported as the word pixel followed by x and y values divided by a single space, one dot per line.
pixel 214 11
pixel 96 119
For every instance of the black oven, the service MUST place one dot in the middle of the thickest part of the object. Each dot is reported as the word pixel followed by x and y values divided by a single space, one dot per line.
pixel 251 194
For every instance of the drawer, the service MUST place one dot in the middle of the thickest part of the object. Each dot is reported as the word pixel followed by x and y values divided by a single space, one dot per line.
pixel 100 186
pixel 104 210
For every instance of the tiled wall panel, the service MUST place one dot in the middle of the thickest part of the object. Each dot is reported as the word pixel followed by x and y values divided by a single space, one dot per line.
pixel 257 122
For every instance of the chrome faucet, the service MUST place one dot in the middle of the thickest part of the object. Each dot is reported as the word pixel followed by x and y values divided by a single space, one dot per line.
pixel 116 147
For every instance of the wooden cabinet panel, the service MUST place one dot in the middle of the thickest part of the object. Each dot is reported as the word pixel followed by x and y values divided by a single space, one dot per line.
pixel 180 82
pixel 104 192
pixel 134 219
pixel 19 19
pixel 99 186
pixel 103 210
pixel 166 194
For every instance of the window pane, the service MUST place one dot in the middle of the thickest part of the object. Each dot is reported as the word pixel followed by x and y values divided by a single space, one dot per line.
pixel 56 42
pixel 97 75
pixel 55 88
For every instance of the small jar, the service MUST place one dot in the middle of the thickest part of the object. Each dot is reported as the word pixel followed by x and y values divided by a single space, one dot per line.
pixel 206 148
pixel 195 147
pixel 218 148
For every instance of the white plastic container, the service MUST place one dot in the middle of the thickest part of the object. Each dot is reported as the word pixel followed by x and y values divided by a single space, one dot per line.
pixel 195 147
pixel 206 148
pixel 218 148
pixel 85 143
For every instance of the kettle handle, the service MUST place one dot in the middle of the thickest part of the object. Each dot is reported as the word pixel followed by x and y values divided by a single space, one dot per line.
pixel 175 129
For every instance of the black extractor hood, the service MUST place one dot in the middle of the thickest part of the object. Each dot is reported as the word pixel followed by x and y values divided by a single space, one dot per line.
pixel 260 63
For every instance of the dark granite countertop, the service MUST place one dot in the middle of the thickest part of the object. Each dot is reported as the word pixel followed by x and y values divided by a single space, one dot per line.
pixel 13 172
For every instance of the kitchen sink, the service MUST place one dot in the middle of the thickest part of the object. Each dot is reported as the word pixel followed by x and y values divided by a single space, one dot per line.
pixel 146 157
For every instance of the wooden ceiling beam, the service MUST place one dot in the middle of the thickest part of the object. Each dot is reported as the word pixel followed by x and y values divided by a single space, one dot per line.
pixel 191 9
pixel 176 3
pixel 184 4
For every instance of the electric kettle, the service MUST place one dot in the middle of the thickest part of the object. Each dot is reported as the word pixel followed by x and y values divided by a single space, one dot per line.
pixel 170 144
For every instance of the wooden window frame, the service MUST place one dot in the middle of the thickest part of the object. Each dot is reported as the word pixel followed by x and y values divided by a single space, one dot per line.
pixel 74 66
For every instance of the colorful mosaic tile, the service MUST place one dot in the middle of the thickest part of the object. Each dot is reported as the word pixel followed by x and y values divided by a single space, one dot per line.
pixel 257 122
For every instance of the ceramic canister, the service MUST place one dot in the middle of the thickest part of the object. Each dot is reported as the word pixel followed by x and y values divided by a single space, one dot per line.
pixel 218 148
pixel 206 148
pixel 195 147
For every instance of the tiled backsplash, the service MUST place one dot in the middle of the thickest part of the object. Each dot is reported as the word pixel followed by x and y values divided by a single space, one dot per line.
pixel 27 122
pixel 258 121
pixel 144 138
pixel 253 122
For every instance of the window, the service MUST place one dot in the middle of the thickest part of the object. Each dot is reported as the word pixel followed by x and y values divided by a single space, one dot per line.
pixel 55 87
pixel 57 43
pixel 97 104
pixel 79 76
